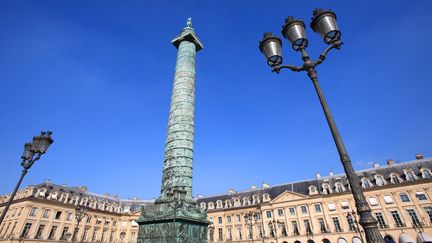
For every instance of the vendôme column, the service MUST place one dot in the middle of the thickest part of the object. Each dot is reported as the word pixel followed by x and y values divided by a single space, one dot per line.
pixel 174 217
pixel 177 172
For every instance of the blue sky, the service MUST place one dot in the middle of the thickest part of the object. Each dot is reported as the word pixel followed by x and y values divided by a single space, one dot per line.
pixel 99 75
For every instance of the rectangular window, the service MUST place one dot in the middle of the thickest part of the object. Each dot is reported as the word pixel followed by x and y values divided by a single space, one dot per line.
pixel 414 219
pixel 229 219
pixel 238 217
pixel 68 216
pixel 104 231
pixel 380 219
pixel 292 211
pixel 51 235
pixel 421 196
pixel 260 233
pixel 75 234
pixel 58 215
pixel 26 230
pixel 46 213
pixel 239 233
pixel 404 197
pixel 337 224
pixel 280 212
pixel 20 211
pixel 220 235
pixel 304 209
pixel 89 218
pixel 388 199
pixel 350 221
pixel 257 216
pixel 85 234
pixel 111 239
pixel 331 207
pixel 229 234
pixel 373 201
pixel 397 219
pixel 322 225
pixel 39 232
pixel 269 214
pixel 219 220
pixel 283 229
pixel 95 234
pixel 295 228
pixel 250 236
pixel 307 227
pixel 33 211
pixel 429 213
pixel 344 205
pixel 318 208
pixel 64 232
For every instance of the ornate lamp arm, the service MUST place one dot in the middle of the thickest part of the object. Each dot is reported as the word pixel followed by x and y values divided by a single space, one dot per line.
pixel 322 57
pixel 291 67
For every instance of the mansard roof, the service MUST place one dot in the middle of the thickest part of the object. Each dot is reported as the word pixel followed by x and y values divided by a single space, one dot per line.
pixel 303 187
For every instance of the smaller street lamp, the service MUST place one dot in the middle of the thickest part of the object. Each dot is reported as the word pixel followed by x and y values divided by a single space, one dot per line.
pixel 211 231
pixel 32 153
pixel 80 213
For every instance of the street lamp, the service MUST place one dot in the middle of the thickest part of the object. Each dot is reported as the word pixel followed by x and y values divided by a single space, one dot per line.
pixel 249 218
pixel 80 213
pixel 324 23
pixel 32 152
pixel 274 225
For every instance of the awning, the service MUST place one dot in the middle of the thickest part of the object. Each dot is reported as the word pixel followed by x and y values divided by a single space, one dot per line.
pixel 405 238
pixel 424 237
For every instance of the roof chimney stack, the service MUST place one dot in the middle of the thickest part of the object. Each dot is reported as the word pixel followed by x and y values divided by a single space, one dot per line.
pixel 419 156
pixel 317 175
pixel 265 185
pixel 331 173
pixel 390 162
pixel 254 187
pixel 376 165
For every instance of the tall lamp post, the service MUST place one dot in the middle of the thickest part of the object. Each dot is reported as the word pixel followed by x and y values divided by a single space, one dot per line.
pixel 80 213
pixel 32 152
pixel 324 23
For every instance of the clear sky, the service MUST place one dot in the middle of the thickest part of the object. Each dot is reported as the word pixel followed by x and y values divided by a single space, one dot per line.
pixel 99 75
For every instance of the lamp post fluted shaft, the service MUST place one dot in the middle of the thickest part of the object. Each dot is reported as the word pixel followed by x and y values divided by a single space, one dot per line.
pixel 9 202
pixel 324 23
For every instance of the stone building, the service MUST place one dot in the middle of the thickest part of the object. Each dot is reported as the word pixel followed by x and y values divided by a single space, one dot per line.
pixel 323 209
pixel 46 213
pixel 309 211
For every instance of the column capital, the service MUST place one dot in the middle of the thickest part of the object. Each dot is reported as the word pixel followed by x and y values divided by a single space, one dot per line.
pixel 188 34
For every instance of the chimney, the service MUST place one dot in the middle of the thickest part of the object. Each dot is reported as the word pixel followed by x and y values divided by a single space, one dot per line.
pixel 265 185
pixel 419 156
pixel 390 162
pixel 254 187
pixel 317 175
pixel 331 173
pixel 376 165
pixel 231 191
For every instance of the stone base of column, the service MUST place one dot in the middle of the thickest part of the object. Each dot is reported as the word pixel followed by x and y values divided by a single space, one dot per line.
pixel 156 224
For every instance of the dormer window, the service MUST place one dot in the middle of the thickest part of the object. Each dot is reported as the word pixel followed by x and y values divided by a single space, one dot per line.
pixel 219 204
pixel 339 187
pixel 312 190
pixel 379 180
pixel 394 178
pixel 426 174
pixel 326 189
pixel 366 184
pixel 266 197
pixel 410 175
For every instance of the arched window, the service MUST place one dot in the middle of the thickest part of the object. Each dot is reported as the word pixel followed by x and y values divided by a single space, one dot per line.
pixel 341 240
pixel 379 180
pixel 326 189
pixel 355 239
pixel 366 183
pixel 426 174
pixel 339 187
pixel 394 178
pixel 325 240
pixel 388 239
pixel 410 175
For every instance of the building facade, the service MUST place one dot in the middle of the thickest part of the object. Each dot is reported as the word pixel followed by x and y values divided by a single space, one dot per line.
pixel 47 213
pixel 317 210
pixel 323 209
